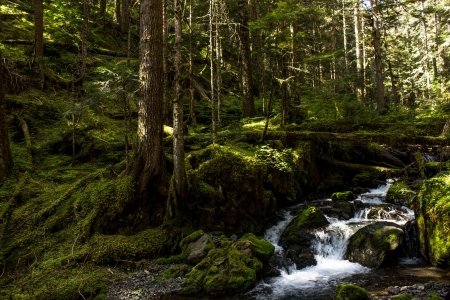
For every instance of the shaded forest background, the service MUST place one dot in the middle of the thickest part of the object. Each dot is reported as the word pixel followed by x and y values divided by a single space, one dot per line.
pixel 275 86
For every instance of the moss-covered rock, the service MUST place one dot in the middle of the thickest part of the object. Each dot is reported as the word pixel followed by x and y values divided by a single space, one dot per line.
pixel 231 267
pixel 296 238
pixel 350 292
pixel 374 244
pixel 342 196
pixel 399 193
pixel 432 209
pixel 236 189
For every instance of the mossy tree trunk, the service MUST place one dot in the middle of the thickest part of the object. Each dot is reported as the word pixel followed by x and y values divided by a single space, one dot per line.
pixel 38 29
pixel 148 167
pixel 5 151
pixel 246 73
pixel 39 39
pixel 125 15
pixel 179 171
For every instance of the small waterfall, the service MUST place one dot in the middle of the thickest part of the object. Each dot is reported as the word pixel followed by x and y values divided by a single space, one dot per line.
pixel 273 234
pixel 319 281
pixel 429 158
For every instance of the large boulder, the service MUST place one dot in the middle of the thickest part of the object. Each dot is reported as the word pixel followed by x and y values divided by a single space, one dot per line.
pixel 230 267
pixel 296 238
pixel 374 244
pixel 432 207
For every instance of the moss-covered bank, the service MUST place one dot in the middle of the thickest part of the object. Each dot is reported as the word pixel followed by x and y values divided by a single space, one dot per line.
pixel 432 209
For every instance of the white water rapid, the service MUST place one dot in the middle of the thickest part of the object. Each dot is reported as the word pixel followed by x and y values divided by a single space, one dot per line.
pixel 319 281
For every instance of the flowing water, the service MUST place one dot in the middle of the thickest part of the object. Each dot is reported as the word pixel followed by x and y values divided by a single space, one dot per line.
pixel 320 281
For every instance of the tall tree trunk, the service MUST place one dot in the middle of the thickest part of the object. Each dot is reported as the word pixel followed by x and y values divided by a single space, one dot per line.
pixel 378 59
pixel 218 52
pixel 272 79
pixel 284 100
pixel 168 108
pixel 192 115
pixel 425 45
pixel 179 169
pixel 359 64
pixel 39 40
pixel 6 162
pixel 117 13
pixel 344 33
pixel 38 28
pixel 125 16
pixel 102 7
pixel 149 163
pixel 246 76
pixel 256 42
pixel 212 16
pixel 84 39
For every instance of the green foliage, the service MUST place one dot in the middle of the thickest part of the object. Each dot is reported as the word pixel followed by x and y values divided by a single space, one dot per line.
pixel 280 159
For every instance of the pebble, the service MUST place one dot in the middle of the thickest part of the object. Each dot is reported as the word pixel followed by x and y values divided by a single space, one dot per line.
pixel 144 285
pixel 418 291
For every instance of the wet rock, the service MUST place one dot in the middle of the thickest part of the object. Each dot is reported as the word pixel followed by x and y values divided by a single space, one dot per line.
pixel 297 237
pixel 342 196
pixel 197 250
pixel 373 245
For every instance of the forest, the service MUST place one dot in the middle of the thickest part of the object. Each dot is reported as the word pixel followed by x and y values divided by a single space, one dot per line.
pixel 154 149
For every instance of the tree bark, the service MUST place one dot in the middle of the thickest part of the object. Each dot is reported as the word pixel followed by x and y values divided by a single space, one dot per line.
pixel 381 104
pixel 149 162
pixel 102 7
pixel 38 28
pixel 6 162
pixel 117 13
pixel 246 76
pixel 179 169
pixel 125 16
pixel 212 15
pixel 359 64
pixel 168 108
pixel 192 115
pixel 84 39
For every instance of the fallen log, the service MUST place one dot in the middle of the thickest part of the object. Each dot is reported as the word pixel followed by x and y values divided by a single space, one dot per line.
pixel 362 168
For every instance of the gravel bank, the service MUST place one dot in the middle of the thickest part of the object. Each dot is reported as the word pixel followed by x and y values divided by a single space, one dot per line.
pixel 147 284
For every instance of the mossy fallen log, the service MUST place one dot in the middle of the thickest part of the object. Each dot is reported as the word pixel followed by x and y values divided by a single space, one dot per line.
pixel 362 168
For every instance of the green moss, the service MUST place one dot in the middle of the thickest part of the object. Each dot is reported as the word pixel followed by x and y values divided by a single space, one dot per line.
pixel 350 292
pixel 433 296
pixel 230 267
pixel 193 237
pixel 264 249
pixel 342 196
pixel 399 190
pixel 432 209
pixel 309 217
pixel 402 297
pixel 111 248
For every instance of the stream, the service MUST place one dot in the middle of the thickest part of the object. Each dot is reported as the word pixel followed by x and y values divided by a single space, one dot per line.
pixel 320 281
